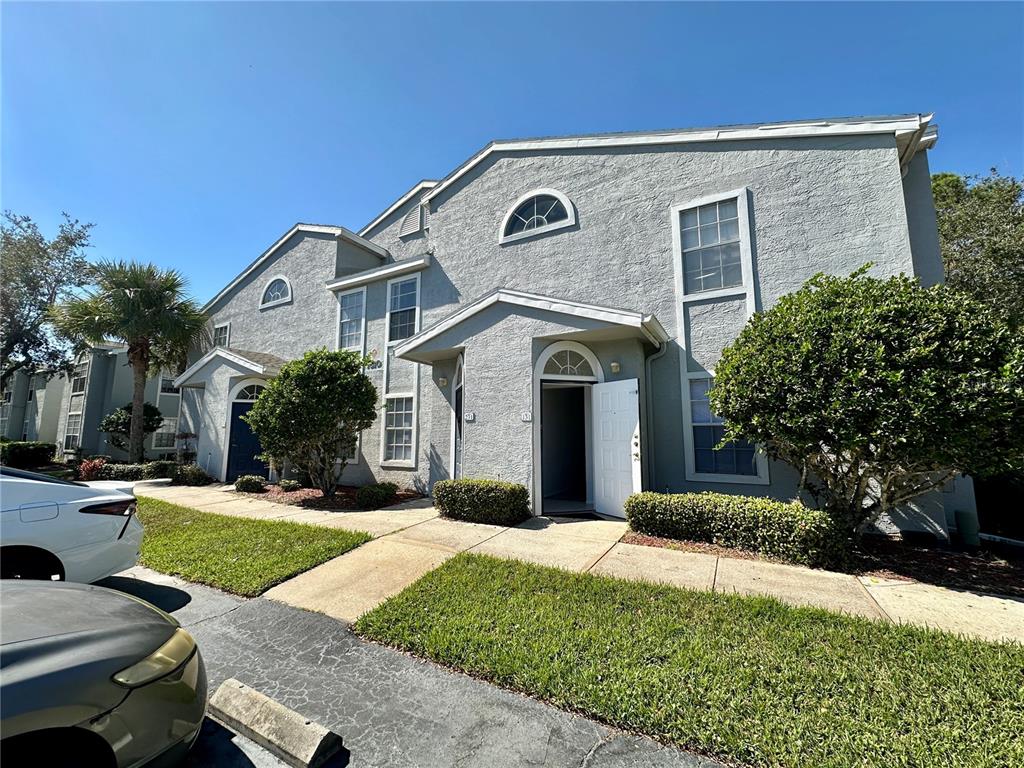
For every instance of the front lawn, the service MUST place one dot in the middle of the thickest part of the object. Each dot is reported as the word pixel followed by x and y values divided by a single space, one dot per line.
pixel 745 678
pixel 243 556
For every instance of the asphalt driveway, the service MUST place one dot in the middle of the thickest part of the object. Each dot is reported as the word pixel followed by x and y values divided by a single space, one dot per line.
pixel 391 709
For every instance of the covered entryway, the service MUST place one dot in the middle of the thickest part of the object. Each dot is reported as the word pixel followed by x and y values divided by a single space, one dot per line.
pixel 565 448
pixel 243 445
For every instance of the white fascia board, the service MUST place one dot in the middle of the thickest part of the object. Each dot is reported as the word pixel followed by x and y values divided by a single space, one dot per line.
pixel 217 352
pixel 394 269
pixel 425 184
pixel 362 242
pixel 895 125
pixel 648 325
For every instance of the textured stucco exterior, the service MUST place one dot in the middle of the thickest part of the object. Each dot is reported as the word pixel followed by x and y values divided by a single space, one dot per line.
pixel 817 204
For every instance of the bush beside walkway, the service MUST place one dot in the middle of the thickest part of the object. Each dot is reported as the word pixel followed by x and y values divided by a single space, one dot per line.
pixel 745 678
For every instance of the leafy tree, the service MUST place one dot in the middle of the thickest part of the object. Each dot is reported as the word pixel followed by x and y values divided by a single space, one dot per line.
pixel 312 410
pixel 145 307
pixel 36 274
pixel 876 390
pixel 981 233
pixel 118 424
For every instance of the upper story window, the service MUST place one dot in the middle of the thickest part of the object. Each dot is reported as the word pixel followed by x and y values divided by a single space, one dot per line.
pixel 167 386
pixel 78 378
pixel 710 237
pixel 221 335
pixel 277 291
pixel 7 396
pixel 403 308
pixel 539 211
pixel 351 309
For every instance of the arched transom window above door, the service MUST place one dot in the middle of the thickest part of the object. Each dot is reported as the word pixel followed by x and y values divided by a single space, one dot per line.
pixel 568 362
pixel 537 212
pixel 249 393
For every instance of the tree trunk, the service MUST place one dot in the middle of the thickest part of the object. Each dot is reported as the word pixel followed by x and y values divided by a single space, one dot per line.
pixel 138 359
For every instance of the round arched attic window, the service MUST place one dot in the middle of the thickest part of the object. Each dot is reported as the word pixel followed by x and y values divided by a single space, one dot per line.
pixel 278 291
pixel 542 210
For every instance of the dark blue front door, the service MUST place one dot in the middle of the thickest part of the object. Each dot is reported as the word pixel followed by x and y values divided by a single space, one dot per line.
pixel 244 446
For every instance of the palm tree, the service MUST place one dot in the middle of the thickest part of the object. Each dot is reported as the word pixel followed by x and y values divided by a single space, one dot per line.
pixel 146 308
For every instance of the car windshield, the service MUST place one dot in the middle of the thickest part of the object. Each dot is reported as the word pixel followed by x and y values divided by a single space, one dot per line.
pixel 23 475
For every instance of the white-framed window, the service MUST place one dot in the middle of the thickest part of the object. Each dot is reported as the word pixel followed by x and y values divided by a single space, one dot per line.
pixel 222 335
pixel 164 437
pixel 710 236
pixel 167 386
pixel 352 319
pixel 78 377
pixel 739 461
pixel 249 393
pixel 7 396
pixel 277 291
pixel 403 308
pixel 73 431
pixel 399 429
pixel 537 212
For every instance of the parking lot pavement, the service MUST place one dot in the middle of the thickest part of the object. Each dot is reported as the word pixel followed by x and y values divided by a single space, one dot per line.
pixel 390 709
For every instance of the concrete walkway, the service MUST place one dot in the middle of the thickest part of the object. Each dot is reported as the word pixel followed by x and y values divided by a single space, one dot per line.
pixel 412 540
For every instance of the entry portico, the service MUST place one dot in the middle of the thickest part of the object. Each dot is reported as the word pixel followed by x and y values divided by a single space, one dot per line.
pixel 550 392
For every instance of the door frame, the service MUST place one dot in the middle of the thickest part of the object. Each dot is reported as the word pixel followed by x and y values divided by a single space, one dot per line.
pixel 537 501
pixel 232 399
pixel 458 382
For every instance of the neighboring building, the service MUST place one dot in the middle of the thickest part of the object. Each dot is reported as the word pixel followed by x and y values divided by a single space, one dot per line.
pixel 551 312
pixel 100 383
pixel 30 405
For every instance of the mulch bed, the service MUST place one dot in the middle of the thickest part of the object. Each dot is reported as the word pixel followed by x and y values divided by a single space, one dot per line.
pixel 313 498
pixel 885 558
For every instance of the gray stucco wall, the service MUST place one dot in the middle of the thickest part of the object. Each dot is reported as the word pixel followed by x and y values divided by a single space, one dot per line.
pixel 924 233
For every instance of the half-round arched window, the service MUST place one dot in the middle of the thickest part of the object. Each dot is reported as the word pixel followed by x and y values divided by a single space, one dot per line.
pixel 249 393
pixel 539 211
pixel 277 291
pixel 568 362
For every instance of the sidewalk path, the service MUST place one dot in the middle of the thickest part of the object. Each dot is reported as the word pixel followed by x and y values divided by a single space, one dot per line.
pixel 412 540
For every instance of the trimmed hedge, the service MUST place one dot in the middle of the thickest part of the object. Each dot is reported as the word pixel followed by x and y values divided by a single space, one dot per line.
pixel 482 501
pixel 785 530
pixel 250 484
pixel 26 454
pixel 151 470
pixel 289 485
pixel 191 474
pixel 375 496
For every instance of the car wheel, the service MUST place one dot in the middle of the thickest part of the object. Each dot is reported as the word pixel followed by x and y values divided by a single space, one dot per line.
pixel 29 563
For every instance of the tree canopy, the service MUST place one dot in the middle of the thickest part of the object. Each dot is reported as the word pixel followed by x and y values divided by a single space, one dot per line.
pixel 148 309
pixel 876 390
pixel 312 412
pixel 118 423
pixel 981 233
pixel 36 274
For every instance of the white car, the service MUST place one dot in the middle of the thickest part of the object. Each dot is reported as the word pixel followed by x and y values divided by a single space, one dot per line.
pixel 57 530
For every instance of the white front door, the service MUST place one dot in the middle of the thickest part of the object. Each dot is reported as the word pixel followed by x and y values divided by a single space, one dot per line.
pixel 616 435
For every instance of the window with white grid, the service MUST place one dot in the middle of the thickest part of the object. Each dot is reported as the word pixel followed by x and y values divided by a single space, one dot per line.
pixel 350 334
pixel 78 377
pixel 710 236
pixel 398 426
pixel 164 437
pixel 220 335
pixel 734 458
pixel 73 431
pixel 402 303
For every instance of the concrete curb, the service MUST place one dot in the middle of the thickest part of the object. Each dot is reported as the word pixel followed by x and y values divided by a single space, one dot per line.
pixel 284 732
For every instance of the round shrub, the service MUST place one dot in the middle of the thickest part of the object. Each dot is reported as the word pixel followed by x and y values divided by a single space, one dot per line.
pixel 154 470
pixel 91 469
pixel 786 530
pixel 289 485
pixel 191 474
pixel 376 496
pixel 482 501
pixel 251 484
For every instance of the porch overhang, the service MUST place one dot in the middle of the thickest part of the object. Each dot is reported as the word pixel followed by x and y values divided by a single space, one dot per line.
pixel 619 322
pixel 258 363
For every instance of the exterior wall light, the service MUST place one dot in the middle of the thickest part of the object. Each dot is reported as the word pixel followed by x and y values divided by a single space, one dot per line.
pixel 615 366
pixel 442 381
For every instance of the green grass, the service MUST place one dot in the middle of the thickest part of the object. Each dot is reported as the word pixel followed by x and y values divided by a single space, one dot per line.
pixel 745 678
pixel 243 556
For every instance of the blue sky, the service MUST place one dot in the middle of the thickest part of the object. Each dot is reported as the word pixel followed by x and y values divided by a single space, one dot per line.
pixel 195 134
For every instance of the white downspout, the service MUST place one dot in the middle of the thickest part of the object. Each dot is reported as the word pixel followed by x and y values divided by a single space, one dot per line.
pixel 648 433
